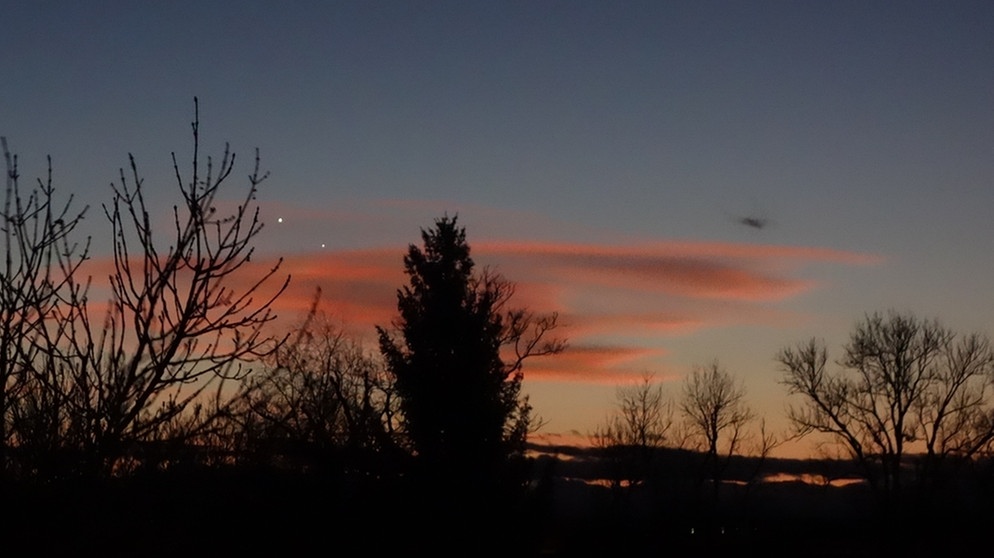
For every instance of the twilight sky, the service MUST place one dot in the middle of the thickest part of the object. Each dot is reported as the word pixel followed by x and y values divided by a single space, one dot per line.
pixel 599 154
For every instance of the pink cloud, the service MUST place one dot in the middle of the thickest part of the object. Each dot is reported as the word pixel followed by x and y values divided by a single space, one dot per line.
pixel 648 323
pixel 635 292
pixel 697 270
pixel 592 364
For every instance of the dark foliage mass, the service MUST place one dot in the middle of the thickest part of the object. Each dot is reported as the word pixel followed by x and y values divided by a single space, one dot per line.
pixel 175 421
pixel 459 402
pixel 460 394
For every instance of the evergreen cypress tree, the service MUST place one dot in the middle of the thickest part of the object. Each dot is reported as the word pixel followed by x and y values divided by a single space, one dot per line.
pixel 462 408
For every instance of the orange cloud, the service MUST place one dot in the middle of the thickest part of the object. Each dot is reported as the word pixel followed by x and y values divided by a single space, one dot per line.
pixel 633 323
pixel 593 364
pixel 615 301
pixel 357 286
pixel 697 270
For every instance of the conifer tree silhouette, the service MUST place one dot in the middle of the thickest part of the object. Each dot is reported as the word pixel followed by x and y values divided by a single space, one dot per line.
pixel 458 361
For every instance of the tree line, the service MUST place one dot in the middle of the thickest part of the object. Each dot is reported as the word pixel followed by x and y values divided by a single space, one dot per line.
pixel 909 404
pixel 182 369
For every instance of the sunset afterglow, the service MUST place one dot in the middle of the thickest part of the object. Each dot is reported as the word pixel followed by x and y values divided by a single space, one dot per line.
pixel 680 183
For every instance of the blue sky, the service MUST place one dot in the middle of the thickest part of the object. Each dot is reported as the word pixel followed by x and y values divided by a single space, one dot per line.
pixel 599 153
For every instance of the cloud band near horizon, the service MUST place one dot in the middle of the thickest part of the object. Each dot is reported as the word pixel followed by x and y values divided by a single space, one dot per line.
pixel 615 302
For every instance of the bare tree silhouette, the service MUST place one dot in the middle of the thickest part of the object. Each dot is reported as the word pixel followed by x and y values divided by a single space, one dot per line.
pixel 713 405
pixel 326 402
pixel 904 383
pixel 638 427
pixel 36 284
pixel 102 398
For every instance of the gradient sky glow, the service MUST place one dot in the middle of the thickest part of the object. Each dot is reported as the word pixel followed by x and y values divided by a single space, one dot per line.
pixel 600 155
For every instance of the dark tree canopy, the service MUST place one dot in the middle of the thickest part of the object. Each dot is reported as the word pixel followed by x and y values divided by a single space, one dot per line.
pixel 460 399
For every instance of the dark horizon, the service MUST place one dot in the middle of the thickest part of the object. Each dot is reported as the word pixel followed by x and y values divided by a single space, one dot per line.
pixel 601 156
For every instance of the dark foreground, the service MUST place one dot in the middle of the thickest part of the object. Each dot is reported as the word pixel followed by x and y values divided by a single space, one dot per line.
pixel 233 512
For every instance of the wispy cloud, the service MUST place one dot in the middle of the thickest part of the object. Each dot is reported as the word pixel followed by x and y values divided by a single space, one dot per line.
pixel 697 270
pixel 636 293
pixel 616 301
pixel 613 365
